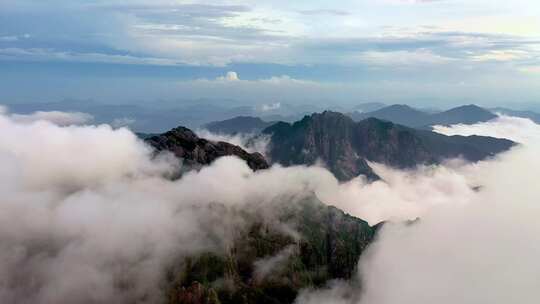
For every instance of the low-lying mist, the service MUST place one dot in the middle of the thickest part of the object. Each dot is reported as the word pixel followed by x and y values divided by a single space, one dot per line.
pixel 88 215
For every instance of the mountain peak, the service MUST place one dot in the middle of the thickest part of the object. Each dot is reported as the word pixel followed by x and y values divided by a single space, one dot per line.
pixel 183 132
pixel 469 107
pixel 467 114
pixel 345 146
pixel 196 151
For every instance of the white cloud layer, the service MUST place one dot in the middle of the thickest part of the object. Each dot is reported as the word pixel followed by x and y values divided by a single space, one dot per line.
pixel 224 32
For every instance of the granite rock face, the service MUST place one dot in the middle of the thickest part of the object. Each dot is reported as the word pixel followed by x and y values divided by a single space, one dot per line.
pixel 196 151
pixel 345 146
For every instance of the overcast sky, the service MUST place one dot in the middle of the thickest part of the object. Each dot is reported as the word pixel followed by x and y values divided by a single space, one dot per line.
pixel 421 52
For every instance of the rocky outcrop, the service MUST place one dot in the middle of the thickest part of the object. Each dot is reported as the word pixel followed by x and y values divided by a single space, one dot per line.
pixel 195 151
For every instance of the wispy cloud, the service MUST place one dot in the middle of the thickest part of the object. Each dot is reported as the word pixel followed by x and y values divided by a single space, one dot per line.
pixel 346 39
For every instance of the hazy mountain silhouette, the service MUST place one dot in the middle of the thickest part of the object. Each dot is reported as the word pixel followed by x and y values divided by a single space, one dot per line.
pixel 408 116
pixel 534 116
pixel 400 114
pixel 240 124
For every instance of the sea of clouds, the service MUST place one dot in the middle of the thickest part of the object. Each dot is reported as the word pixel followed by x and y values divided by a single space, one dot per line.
pixel 89 215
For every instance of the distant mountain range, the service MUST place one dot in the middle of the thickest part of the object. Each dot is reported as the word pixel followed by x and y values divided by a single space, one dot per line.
pixel 157 117
pixel 240 124
pixel 399 114
pixel 408 116
pixel 142 118
pixel 162 115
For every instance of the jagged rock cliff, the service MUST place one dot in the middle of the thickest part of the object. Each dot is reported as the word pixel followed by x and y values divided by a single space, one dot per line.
pixel 344 146
pixel 195 151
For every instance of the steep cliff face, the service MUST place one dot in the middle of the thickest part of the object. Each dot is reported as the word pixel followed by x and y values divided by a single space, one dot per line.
pixel 344 146
pixel 268 264
pixel 322 137
pixel 195 151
